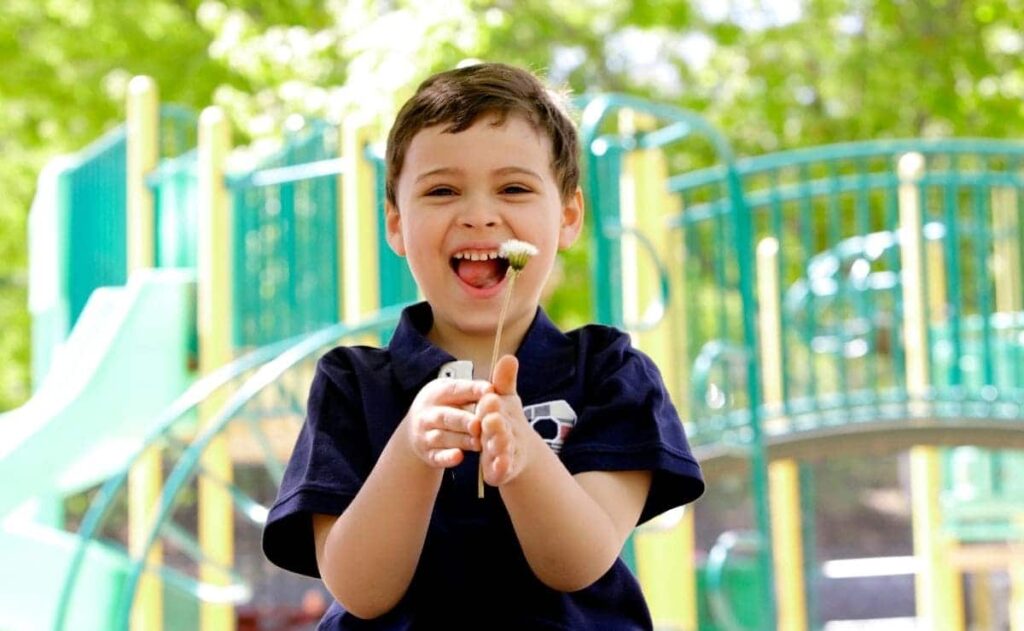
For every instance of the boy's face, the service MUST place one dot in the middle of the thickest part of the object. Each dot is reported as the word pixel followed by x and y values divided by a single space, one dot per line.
pixel 459 196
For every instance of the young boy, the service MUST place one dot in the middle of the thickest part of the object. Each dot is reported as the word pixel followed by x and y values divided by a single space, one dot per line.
pixel 577 438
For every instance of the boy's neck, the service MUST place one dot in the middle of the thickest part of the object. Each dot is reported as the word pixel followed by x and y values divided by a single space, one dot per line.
pixel 478 348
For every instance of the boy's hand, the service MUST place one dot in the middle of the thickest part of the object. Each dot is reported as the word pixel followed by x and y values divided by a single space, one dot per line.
pixel 506 444
pixel 438 427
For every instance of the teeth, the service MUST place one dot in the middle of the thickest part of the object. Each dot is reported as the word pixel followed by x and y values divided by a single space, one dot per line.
pixel 476 256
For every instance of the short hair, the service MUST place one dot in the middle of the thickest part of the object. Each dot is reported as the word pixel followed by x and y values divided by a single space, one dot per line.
pixel 459 97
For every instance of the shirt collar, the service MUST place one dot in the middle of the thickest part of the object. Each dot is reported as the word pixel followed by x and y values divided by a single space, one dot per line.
pixel 545 354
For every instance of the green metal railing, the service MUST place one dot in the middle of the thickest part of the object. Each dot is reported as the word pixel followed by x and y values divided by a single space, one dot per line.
pixel 835 213
pixel 285 251
pixel 606 142
pixel 93 195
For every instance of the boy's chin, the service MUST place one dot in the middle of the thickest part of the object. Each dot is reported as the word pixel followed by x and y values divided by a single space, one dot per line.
pixel 473 324
pixel 476 323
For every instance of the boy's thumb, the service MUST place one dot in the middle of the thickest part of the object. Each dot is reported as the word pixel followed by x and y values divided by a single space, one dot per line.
pixel 506 371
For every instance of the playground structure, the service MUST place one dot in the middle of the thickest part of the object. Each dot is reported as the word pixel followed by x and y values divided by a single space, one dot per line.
pixel 859 298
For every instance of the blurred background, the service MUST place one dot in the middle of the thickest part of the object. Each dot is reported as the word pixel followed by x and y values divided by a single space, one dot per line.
pixel 770 76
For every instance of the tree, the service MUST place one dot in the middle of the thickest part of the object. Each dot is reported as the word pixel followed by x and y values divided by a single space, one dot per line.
pixel 833 70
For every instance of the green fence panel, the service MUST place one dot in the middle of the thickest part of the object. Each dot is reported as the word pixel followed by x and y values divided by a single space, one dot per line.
pixel 397 285
pixel 285 259
pixel 175 187
pixel 94 194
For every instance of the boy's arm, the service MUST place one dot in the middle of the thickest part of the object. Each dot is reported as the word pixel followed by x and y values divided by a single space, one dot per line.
pixel 367 556
pixel 571 528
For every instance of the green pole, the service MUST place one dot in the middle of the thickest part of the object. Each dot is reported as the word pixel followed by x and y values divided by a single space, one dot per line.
pixel 758 458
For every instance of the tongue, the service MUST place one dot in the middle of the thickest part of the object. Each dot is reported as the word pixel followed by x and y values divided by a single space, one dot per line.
pixel 480 274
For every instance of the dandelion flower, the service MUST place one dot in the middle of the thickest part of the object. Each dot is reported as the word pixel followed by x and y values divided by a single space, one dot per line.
pixel 517 253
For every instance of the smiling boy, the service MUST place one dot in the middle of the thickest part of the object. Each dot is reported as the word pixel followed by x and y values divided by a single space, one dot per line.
pixel 577 438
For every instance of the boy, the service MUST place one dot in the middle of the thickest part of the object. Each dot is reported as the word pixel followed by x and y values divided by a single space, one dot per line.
pixel 576 436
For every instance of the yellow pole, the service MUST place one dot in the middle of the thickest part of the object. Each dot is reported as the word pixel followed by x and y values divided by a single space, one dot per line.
pixel 144 479
pixel 939 594
pixel 664 548
pixel 143 148
pixel 1006 265
pixel 357 240
pixel 215 516
pixel 1017 589
pixel 1006 262
pixel 783 475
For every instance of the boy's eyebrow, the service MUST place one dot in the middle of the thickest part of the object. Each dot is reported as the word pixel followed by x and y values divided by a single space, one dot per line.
pixel 440 171
pixel 515 169
pixel 502 171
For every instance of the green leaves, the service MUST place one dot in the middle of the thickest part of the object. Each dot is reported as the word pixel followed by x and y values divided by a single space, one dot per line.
pixel 842 70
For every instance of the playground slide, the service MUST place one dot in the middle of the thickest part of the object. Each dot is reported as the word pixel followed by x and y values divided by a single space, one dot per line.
pixel 125 361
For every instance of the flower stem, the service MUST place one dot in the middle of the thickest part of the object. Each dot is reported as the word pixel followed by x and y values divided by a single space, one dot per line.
pixel 512 273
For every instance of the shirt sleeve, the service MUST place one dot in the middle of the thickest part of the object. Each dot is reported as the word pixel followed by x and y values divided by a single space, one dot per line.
pixel 326 469
pixel 628 423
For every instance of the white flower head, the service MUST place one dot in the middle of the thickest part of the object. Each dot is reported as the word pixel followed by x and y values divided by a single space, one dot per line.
pixel 517 253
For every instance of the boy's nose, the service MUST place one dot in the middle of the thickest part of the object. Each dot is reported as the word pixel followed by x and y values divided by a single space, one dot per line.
pixel 479 216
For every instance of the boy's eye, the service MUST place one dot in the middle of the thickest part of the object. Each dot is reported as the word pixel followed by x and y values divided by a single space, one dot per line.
pixel 514 189
pixel 441 191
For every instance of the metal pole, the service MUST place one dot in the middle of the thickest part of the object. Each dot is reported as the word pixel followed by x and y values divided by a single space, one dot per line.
pixel 143 154
pixel 758 457
pixel 783 475
pixel 216 514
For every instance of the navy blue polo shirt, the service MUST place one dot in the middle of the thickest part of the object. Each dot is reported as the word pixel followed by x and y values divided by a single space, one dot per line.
pixel 598 401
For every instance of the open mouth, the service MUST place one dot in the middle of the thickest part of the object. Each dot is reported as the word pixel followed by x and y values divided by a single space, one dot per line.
pixel 478 268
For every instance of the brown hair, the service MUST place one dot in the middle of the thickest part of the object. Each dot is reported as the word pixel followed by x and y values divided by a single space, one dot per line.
pixel 459 97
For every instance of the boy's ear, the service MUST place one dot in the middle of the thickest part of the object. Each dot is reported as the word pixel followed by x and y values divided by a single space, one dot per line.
pixel 393 227
pixel 572 219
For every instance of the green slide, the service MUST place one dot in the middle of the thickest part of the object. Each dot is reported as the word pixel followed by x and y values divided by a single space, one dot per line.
pixel 125 361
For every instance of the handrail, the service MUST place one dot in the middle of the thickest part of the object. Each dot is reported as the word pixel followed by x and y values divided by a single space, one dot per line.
pixel 873 148
pixel 714 572
pixel 656 310
pixel 684 122
pixel 710 353
pixel 681 123
pixel 188 401
pixel 267 374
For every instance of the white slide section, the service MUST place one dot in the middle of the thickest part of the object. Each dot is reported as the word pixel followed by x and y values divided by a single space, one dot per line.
pixel 124 362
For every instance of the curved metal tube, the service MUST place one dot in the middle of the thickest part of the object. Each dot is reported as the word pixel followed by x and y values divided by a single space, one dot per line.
pixel 714 573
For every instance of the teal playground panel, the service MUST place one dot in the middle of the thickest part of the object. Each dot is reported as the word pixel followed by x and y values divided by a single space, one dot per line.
pixel 94 195
pixel 286 254
pixel 286 250
pixel 175 187
pixel 397 286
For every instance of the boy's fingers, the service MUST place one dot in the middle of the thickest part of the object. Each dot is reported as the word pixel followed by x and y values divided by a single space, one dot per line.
pixel 488 404
pixel 505 374
pixel 446 457
pixel 442 439
pixel 499 468
pixel 458 392
pixel 449 418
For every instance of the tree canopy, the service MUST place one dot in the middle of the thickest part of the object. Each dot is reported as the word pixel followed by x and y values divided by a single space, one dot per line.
pixel 770 75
